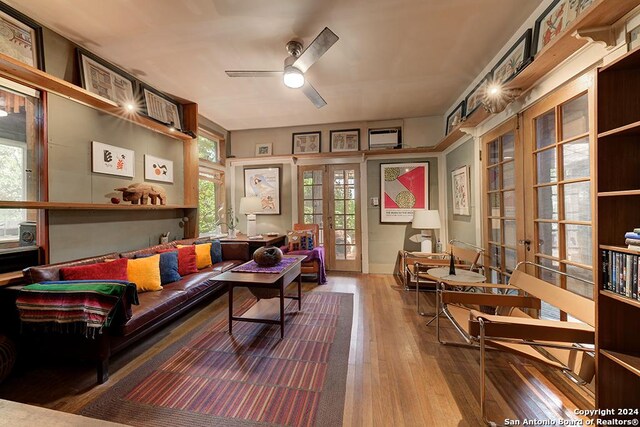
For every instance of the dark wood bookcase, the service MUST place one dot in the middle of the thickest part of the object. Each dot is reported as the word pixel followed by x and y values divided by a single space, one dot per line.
pixel 618 206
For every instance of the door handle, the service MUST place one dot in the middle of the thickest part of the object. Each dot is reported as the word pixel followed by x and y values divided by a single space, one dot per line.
pixel 526 243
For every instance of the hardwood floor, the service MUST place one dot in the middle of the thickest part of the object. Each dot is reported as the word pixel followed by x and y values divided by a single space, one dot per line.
pixel 398 373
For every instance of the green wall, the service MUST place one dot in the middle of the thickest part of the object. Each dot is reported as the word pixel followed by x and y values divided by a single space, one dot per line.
pixel 462 227
pixel 386 239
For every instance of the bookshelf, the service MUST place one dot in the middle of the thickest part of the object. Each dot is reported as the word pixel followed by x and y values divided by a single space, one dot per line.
pixel 618 203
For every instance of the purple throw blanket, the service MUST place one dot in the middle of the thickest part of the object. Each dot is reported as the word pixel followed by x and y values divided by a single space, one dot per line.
pixel 316 253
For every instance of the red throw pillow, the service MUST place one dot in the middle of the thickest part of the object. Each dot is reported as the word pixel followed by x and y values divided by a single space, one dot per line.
pixel 186 259
pixel 114 270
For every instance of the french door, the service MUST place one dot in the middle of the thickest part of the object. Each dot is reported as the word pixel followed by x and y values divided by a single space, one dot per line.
pixel 329 195
pixel 538 191
pixel 558 153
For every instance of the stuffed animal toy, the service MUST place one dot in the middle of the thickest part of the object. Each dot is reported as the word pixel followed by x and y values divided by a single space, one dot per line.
pixel 141 193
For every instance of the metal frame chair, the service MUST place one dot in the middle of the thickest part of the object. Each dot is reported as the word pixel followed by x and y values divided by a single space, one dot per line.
pixel 555 343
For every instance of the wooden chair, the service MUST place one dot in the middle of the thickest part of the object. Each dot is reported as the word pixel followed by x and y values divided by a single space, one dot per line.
pixel 563 345
pixel 314 266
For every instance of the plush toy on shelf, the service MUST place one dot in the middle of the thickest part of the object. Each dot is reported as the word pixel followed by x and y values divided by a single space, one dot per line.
pixel 140 193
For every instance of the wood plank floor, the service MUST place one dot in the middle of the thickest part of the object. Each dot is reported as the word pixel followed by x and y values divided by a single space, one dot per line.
pixel 398 373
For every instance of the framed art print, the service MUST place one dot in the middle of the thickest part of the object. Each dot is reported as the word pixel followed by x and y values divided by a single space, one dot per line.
pixel 105 80
pixel 474 98
pixel 161 108
pixel 404 188
pixel 264 149
pixel 157 169
pixel 344 140
pixel 20 37
pixel 455 118
pixel 460 190
pixel 265 184
pixel 112 160
pixel 550 24
pixel 515 60
pixel 308 142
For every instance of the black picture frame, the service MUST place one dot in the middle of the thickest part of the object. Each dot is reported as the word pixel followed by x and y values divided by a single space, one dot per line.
pixel 470 107
pixel 536 33
pixel 333 132
pixel 82 53
pixel 143 88
pixel 37 30
pixel 268 168
pixel 506 60
pixel 296 135
pixel 450 118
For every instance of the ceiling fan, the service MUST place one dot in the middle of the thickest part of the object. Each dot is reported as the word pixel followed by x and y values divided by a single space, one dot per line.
pixel 297 63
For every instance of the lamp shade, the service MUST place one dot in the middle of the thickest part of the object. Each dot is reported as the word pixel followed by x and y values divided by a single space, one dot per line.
pixel 250 205
pixel 424 219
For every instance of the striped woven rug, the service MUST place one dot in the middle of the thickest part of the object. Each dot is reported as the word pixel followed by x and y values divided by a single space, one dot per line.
pixel 249 379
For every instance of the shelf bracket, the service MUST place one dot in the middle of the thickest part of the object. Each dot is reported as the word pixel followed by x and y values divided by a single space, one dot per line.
pixel 468 130
pixel 604 35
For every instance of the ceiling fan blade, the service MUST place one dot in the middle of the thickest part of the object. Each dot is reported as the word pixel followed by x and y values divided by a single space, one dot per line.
pixel 254 73
pixel 313 95
pixel 316 49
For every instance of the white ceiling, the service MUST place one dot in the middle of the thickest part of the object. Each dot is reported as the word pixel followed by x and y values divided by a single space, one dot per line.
pixel 394 59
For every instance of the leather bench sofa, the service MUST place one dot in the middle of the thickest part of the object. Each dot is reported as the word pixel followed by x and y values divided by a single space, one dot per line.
pixel 155 308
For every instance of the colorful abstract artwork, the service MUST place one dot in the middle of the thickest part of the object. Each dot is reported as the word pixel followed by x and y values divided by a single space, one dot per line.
pixel 157 169
pixel 404 189
pixel 265 184
pixel 112 160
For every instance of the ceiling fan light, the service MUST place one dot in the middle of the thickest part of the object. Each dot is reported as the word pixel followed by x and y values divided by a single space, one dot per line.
pixel 293 77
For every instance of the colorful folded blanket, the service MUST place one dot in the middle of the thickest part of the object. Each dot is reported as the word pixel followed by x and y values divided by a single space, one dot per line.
pixel 78 306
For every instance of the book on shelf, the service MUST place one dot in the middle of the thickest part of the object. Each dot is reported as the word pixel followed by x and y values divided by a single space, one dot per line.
pixel 620 273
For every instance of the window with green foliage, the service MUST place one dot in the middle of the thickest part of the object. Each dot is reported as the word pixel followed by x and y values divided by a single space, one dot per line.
pixel 210 185
pixel 208 148
pixel 19 147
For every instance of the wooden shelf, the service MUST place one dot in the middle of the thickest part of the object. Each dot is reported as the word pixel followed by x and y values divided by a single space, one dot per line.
pixel 345 154
pixel 628 361
pixel 10 278
pixel 32 77
pixel 477 117
pixel 619 193
pixel 626 300
pixel 622 249
pixel 87 206
pixel 632 129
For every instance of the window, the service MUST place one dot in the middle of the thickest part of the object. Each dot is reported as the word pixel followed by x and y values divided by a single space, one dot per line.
pixel 19 148
pixel 210 183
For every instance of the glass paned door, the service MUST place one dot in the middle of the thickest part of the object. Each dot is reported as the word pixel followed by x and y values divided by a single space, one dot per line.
pixel 500 209
pixel 558 135
pixel 329 197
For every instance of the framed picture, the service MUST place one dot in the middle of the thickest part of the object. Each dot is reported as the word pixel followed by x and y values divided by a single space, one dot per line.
pixel 265 184
pixel 20 37
pixel 105 80
pixel 308 142
pixel 157 169
pixel 264 149
pixel 633 32
pixel 345 140
pixel 404 188
pixel 474 99
pixel 460 190
pixel 161 108
pixel 515 60
pixel 455 118
pixel 112 160
pixel 552 22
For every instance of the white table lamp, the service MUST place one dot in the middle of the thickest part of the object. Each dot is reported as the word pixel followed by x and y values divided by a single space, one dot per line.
pixel 249 206
pixel 425 220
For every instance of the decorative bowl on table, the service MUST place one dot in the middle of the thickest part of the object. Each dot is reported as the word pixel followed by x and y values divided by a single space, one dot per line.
pixel 267 256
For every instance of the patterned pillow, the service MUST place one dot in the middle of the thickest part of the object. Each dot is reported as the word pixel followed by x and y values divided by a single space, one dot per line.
pixel 302 239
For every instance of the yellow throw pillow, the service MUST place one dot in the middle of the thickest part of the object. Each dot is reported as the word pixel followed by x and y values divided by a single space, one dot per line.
pixel 203 255
pixel 145 273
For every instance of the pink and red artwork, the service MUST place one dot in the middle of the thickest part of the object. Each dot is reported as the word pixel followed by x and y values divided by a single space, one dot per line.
pixel 404 189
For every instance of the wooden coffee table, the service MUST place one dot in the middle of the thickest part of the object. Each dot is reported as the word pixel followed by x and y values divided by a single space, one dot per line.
pixel 277 281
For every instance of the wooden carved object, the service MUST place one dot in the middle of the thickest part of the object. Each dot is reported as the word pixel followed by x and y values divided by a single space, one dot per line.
pixel 140 193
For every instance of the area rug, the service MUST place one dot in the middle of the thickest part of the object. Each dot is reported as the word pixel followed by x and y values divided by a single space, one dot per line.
pixel 252 378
